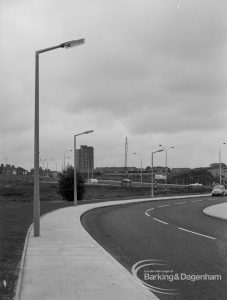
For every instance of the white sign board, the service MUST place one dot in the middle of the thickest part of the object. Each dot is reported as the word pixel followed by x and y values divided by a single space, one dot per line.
pixel 162 177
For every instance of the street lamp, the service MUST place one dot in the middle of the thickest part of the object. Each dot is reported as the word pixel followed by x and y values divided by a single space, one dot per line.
pixel 220 168
pixel 141 164
pixel 36 204
pixel 75 183
pixel 152 171
pixel 166 150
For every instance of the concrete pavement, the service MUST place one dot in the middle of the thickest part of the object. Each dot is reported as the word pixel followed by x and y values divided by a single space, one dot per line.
pixel 66 263
pixel 218 211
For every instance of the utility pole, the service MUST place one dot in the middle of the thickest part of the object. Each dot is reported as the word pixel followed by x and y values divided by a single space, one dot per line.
pixel 220 165
pixel 152 171
pixel 126 154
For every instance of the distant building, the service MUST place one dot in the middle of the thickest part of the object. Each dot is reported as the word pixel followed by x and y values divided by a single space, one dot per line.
pixel 21 171
pixel 12 170
pixel 117 170
pixel 110 170
pixel 217 165
pixel 159 169
pixel 85 159
pixel 180 170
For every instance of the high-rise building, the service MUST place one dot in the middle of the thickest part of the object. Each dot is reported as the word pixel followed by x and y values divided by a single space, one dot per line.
pixel 85 160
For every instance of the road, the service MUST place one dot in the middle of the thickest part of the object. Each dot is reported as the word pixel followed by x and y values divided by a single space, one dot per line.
pixel 177 239
pixel 137 184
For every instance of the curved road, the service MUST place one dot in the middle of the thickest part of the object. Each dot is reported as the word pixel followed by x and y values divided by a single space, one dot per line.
pixel 179 239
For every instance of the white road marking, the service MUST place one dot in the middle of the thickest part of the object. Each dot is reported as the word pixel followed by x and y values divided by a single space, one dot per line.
pixel 160 221
pixel 150 209
pixel 207 236
pixel 178 203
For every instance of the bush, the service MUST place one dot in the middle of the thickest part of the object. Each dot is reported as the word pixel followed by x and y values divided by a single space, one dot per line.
pixel 66 184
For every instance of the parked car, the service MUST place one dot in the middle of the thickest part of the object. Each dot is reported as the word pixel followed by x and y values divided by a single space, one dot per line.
pixel 92 180
pixel 218 190
pixel 126 182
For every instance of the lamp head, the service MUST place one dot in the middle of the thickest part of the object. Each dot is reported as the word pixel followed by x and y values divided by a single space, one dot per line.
pixel 72 43
pixel 88 131
pixel 160 150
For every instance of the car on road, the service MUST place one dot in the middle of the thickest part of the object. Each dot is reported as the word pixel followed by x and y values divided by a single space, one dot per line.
pixel 219 190
pixel 196 184
pixel 126 182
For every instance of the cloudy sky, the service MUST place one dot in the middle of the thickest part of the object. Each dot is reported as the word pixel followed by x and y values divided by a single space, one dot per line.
pixel 151 70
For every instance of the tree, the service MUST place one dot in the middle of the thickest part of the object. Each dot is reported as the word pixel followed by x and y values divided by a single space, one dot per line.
pixel 66 184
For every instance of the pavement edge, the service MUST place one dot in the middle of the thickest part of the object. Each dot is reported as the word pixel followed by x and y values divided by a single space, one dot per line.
pixel 213 212
pixel 21 266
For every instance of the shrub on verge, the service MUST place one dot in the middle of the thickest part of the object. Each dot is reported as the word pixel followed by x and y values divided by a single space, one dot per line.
pixel 66 184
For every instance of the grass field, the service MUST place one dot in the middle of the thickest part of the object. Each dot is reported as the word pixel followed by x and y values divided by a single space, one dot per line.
pixel 93 192
pixel 16 214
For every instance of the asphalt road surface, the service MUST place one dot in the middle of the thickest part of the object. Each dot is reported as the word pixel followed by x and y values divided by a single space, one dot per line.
pixel 170 245
pixel 137 184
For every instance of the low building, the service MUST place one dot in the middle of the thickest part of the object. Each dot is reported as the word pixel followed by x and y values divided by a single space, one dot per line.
pixel 180 170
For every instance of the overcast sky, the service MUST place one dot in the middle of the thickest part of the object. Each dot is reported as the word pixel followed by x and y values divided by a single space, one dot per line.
pixel 151 70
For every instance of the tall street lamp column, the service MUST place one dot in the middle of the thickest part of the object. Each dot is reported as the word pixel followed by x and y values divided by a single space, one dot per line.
pixel 152 171
pixel 36 202
pixel 75 182
pixel 141 166
pixel 220 168
pixel 166 150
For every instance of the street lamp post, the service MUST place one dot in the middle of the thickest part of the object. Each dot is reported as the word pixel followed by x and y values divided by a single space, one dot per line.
pixel 141 165
pixel 75 183
pixel 152 171
pixel 220 168
pixel 36 203
pixel 166 150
